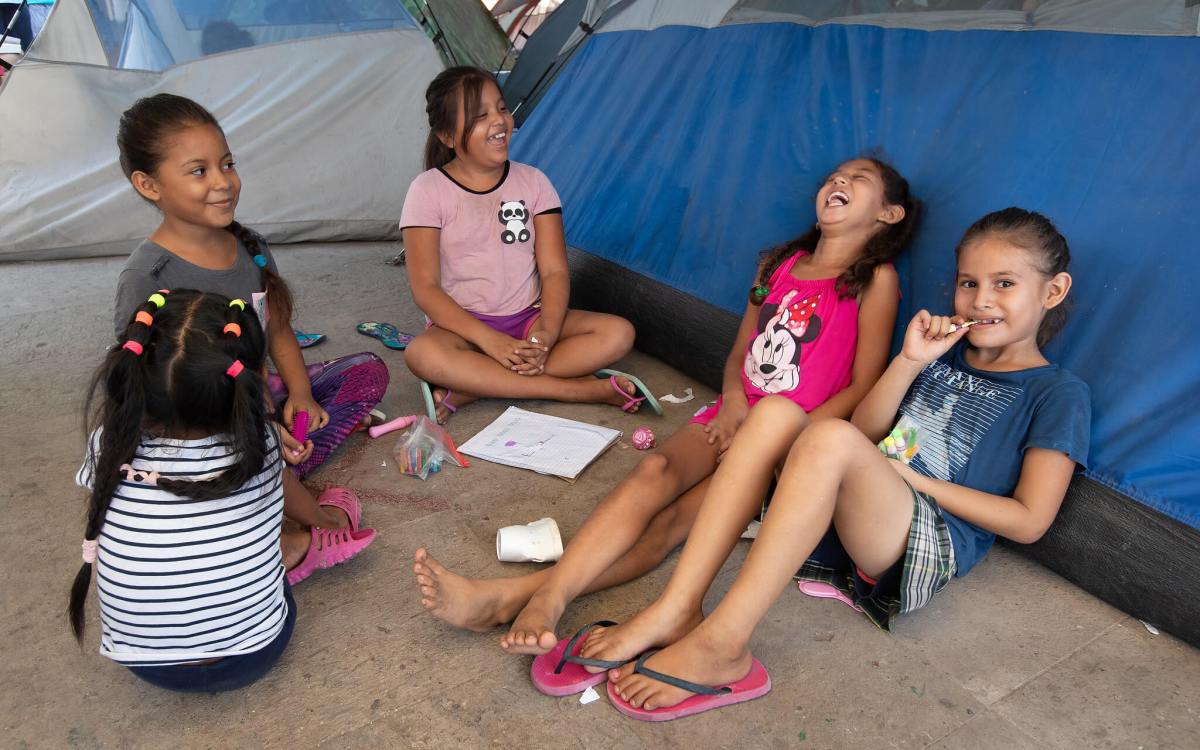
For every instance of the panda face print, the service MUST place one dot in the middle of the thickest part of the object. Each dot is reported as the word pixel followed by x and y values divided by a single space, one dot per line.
pixel 773 363
pixel 515 218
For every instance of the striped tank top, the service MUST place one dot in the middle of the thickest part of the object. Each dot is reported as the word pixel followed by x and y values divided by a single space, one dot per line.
pixel 182 580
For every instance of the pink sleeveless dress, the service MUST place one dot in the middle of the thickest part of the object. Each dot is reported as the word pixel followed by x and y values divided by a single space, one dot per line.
pixel 805 345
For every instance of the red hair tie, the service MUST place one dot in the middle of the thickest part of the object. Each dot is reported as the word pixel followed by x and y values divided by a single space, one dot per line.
pixel 235 369
pixel 233 328
pixel 134 347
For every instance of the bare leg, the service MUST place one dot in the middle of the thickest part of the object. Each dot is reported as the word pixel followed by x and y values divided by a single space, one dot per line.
pixel 610 531
pixel 301 506
pixel 833 475
pixel 481 604
pixel 590 341
pixel 736 493
pixel 294 546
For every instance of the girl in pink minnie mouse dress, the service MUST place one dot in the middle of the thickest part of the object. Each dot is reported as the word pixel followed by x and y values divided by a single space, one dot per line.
pixel 817 331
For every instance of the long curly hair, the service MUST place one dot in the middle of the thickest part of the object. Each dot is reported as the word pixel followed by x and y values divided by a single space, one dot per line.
pixel 883 247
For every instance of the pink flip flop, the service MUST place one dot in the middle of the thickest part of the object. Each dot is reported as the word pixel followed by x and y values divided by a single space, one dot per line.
pixel 560 671
pixel 638 387
pixel 755 684
pixel 330 547
pixel 821 590
pixel 345 499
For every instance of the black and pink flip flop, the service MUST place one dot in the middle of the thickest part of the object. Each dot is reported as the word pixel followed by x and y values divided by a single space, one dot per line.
pixel 560 671
pixel 755 684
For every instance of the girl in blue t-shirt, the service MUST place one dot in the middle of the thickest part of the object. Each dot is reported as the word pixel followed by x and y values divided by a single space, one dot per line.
pixel 999 432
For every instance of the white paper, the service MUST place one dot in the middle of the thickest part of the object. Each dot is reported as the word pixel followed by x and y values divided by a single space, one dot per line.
pixel 671 398
pixel 540 442
pixel 589 695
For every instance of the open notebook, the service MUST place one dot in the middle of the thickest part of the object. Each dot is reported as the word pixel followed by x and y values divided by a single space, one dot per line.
pixel 540 442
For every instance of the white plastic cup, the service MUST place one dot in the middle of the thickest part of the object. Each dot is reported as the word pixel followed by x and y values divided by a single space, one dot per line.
pixel 534 542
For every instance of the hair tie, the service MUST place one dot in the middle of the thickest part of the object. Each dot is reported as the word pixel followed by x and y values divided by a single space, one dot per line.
pixel 238 303
pixel 144 318
pixel 260 260
pixel 158 299
pixel 88 550
pixel 761 292
pixel 233 328
pixel 235 369
pixel 133 346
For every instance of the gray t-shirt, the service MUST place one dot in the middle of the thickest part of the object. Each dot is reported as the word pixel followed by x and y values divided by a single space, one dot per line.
pixel 152 267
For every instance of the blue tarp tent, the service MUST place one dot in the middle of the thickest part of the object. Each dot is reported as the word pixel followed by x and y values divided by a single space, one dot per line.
pixel 687 136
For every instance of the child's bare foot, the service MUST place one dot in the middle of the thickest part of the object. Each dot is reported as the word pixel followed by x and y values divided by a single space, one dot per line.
pixel 654 627
pixel 609 395
pixel 533 630
pixel 293 545
pixel 462 602
pixel 697 657
pixel 458 399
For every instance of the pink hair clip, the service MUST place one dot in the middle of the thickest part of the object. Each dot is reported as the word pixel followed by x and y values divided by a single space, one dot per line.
pixel 89 550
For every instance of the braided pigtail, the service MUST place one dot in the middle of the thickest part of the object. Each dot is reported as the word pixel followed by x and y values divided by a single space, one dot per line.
pixel 119 417
pixel 279 295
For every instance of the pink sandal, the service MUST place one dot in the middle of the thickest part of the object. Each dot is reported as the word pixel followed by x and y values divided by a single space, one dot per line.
pixel 820 590
pixel 344 499
pixel 330 547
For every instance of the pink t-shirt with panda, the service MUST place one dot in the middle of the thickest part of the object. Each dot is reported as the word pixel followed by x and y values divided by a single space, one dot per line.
pixel 487 237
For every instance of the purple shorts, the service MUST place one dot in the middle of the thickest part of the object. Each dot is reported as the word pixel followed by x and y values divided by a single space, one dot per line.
pixel 518 325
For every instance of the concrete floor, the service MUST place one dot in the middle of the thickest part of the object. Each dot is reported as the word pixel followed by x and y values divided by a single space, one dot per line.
pixel 1010 657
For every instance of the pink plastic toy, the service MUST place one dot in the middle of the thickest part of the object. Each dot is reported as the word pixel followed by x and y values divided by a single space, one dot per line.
pixel 643 438
pixel 399 423
pixel 300 427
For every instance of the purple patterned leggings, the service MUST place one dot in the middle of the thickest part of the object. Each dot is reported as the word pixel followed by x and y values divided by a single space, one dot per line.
pixel 348 388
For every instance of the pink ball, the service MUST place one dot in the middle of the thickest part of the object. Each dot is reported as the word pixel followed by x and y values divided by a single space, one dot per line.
pixel 643 439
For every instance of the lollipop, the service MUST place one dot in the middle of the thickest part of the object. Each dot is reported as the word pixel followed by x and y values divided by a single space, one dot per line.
pixel 643 439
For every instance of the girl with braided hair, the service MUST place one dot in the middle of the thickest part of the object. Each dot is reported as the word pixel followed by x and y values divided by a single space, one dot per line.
pixel 175 155
pixel 186 501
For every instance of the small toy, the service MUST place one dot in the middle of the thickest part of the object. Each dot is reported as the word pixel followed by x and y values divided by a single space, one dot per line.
pixel 399 423
pixel 643 438
pixel 901 442
pixel 300 427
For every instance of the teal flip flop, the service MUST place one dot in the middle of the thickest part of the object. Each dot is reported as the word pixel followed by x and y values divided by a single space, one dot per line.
pixel 391 336
pixel 306 340
pixel 431 405
pixel 641 390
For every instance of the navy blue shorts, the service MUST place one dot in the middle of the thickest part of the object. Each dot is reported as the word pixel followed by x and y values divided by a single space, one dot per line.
pixel 230 673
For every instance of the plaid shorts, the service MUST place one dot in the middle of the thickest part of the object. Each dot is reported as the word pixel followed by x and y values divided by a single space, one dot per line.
pixel 927 566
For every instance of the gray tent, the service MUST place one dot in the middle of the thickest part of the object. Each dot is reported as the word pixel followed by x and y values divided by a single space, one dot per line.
pixel 322 103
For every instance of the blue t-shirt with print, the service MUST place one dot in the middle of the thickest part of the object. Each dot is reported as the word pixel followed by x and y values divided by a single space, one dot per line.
pixel 974 426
